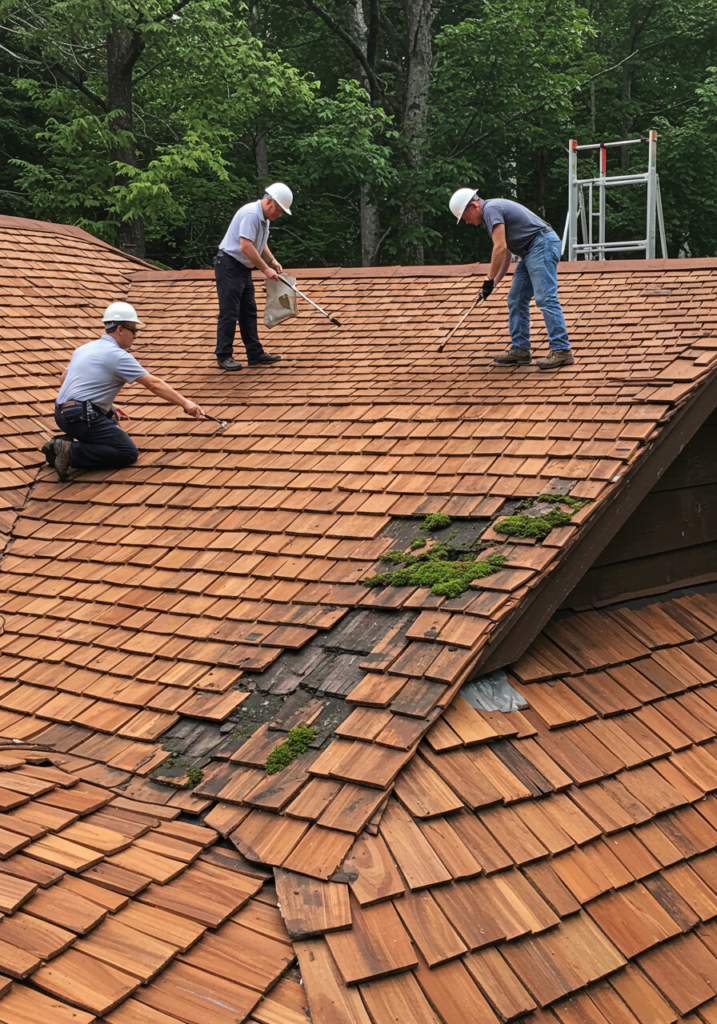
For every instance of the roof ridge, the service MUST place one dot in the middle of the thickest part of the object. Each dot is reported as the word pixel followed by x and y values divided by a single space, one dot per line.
pixel 49 227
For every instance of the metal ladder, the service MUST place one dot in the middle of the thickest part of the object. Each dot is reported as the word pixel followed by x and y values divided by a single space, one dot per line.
pixel 581 209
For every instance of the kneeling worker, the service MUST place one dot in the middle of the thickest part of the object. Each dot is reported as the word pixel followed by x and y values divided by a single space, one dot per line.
pixel 514 229
pixel 83 408
pixel 244 247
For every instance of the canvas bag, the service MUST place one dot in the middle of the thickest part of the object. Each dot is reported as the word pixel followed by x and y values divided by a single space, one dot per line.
pixel 280 301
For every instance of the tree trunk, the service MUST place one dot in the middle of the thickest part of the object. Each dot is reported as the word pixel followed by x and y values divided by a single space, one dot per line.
pixel 370 229
pixel 593 111
pixel 370 224
pixel 542 182
pixel 261 154
pixel 419 18
pixel 626 115
pixel 123 52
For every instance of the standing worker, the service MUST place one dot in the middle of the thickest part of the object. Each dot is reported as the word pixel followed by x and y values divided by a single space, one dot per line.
pixel 514 229
pixel 89 385
pixel 244 247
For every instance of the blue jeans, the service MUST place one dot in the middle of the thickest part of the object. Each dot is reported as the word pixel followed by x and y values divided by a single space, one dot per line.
pixel 537 275
pixel 99 444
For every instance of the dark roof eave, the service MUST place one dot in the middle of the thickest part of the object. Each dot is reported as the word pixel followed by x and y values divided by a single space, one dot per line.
pixel 516 633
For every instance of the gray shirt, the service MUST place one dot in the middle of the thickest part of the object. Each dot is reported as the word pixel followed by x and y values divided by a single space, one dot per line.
pixel 248 222
pixel 97 371
pixel 521 224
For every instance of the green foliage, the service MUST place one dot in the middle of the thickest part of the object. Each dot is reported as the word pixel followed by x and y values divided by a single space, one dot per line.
pixel 296 743
pixel 539 527
pixel 511 81
pixel 434 569
pixel 435 521
pixel 194 777
pixel 418 542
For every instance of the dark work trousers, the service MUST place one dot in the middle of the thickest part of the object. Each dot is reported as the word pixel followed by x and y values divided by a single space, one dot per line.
pixel 98 442
pixel 237 304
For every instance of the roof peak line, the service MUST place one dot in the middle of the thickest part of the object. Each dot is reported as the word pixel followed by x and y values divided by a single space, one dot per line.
pixel 448 270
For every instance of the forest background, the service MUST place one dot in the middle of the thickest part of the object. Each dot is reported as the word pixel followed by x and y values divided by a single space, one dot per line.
pixel 148 122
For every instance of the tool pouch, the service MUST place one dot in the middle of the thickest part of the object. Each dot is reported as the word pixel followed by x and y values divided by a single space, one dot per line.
pixel 280 301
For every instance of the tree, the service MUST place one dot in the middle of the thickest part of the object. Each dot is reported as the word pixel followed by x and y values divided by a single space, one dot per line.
pixel 139 97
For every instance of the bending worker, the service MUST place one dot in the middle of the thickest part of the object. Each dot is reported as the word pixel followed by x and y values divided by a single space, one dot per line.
pixel 516 230
pixel 244 247
pixel 83 408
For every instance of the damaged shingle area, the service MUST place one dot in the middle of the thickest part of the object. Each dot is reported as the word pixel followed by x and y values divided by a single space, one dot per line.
pixel 309 686
pixel 305 687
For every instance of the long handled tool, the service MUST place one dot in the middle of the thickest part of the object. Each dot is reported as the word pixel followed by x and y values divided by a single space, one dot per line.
pixel 465 316
pixel 328 316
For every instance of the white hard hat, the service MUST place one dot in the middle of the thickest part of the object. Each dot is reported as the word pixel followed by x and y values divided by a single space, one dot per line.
pixel 459 201
pixel 119 313
pixel 282 195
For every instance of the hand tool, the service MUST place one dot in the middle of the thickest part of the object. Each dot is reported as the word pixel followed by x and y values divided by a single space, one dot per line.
pixel 465 316
pixel 293 287
pixel 222 423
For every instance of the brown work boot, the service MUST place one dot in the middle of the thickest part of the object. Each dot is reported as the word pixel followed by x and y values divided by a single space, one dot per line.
pixel 62 458
pixel 557 357
pixel 513 357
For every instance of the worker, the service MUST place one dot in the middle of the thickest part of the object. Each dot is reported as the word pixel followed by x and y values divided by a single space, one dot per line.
pixel 515 230
pixel 89 385
pixel 243 248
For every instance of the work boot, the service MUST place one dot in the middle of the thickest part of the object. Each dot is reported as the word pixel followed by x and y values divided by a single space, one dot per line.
pixel 557 357
pixel 264 359
pixel 48 450
pixel 514 356
pixel 229 363
pixel 62 457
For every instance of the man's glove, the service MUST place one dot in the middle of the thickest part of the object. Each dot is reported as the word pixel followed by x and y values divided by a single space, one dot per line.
pixel 487 288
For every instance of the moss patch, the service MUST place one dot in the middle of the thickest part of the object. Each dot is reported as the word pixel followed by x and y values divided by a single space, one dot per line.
pixel 194 777
pixel 523 525
pixel 435 521
pixel 296 743
pixel 434 569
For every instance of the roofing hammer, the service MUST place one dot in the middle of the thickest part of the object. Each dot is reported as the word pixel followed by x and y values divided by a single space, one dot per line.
pixel 222 423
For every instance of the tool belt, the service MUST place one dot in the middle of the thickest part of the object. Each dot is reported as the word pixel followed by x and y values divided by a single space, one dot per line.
pixel 86 411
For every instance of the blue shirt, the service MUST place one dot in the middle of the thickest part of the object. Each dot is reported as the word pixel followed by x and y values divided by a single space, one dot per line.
pixel 97 371
pixel 522 226
pixel 248 222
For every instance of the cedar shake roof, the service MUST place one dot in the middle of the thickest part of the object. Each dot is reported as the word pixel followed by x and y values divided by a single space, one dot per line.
pixel 550 865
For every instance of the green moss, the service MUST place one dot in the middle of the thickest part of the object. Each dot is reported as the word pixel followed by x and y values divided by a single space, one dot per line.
pixel 393 557
pixel 435 571
pixel 296 743
pixel 435 521
pixel 419 542
pixel 194 777
pixel 171 759
pixel 533 526
pixel 521 525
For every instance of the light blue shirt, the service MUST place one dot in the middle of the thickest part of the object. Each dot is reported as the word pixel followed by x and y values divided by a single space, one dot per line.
pixel 248 222
pixel 97 371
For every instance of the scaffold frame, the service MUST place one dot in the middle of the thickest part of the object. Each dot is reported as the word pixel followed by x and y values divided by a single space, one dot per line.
pixel 580 204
